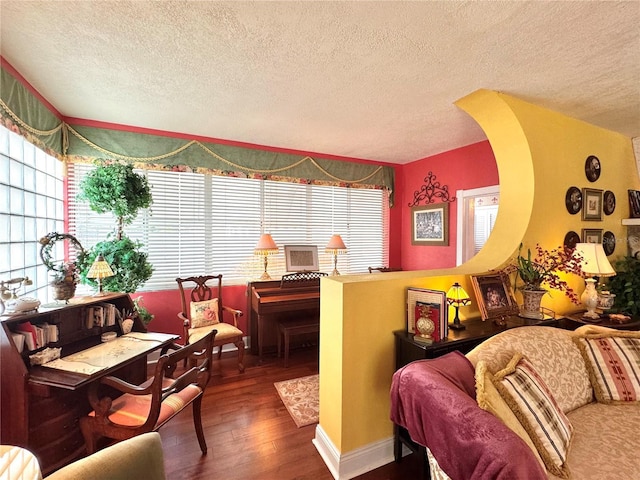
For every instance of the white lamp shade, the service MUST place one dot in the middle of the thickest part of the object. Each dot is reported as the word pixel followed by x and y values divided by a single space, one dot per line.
pixel 594 261
pixel 335 245
pixel 266 245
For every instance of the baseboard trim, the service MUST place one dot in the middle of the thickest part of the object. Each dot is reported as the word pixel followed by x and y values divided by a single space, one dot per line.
pixel 356 462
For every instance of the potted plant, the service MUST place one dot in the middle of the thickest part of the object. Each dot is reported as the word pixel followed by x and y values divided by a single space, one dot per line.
pixel 536 273
pixel 625 285
pixel 65 275
pixel 114 187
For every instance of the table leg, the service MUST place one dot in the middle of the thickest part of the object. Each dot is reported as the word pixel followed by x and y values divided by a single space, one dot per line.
pixel 260 337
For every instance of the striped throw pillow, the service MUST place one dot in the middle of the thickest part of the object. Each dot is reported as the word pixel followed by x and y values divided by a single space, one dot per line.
pixel 613 363
pixel 533 404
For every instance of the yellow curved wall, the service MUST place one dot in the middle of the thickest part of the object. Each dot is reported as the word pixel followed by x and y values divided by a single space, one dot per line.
pixel 539 153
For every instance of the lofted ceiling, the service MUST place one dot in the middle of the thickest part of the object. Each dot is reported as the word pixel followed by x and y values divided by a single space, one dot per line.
pixel 361 79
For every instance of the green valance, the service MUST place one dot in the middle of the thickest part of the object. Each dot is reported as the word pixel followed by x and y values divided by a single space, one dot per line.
pixel 24 112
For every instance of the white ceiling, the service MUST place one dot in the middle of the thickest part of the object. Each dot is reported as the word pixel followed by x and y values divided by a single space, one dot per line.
pixel 372 80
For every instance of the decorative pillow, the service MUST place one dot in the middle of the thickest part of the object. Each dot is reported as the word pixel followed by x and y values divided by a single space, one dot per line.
pixel 489 399
pixel 204 313
pixel 531 401
pixel 613 363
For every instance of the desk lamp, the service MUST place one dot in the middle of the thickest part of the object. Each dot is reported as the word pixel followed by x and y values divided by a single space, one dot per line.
pixel 265 247
pixel 99 270
pixel 457 297
pixel 335 247
pixel 594 263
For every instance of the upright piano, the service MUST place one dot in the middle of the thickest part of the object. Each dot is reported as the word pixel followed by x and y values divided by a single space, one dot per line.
pixel 296 294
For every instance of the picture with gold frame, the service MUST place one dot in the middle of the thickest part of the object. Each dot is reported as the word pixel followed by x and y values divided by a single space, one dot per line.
pixel 591 204
pixel 430 224
pixel 494 295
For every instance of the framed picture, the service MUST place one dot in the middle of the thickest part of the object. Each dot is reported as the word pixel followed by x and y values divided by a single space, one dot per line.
pixel 608 242
pixel 591 204
pixel 494 295
pixel 592 168
pixel 430 224
pixel 608 202
pixel 591 235
pixel 436 301
pixel 573 200
pixel 571 239
pixel 301 258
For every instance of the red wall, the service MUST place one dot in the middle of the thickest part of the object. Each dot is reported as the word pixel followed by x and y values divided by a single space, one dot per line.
pixel 465 168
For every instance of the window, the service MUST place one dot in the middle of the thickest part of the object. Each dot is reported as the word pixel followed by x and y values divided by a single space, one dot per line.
pixel 31 205
pixel 477 212
pixel 209 224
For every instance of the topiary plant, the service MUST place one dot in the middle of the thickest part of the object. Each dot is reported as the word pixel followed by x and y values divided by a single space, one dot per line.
pixel 114 187
pixel 626 285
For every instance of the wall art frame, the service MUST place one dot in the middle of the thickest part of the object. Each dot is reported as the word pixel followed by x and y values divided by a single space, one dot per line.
pixel 301 258
pixel 573 200
pixel 591 235
pixel 430 224
pixel 591 204
pixel 592 168
pixel 608 202
pixel 494 295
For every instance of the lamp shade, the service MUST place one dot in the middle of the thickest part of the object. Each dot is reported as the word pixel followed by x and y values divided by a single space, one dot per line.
pixel 266 245
pixel 335 245
pixel 100 269
pixel 594 261
pixel 457 295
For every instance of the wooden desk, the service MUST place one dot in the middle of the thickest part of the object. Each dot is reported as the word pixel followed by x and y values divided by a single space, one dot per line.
pixel 41 406
pixel 269 300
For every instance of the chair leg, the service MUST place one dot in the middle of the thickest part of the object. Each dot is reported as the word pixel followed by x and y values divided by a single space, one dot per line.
pixel 219 352
pixel 197 423
pixel 240 346
pixel 89 436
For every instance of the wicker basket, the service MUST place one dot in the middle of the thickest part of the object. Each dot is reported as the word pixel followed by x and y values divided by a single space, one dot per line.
pixel 63 290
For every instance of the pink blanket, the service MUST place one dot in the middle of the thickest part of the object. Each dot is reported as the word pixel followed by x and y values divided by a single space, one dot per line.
pixel 435 401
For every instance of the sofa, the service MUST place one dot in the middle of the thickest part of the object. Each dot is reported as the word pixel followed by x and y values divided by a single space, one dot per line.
pixel 532 402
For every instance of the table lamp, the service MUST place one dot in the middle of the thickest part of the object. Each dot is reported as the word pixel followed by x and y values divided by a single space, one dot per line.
pixel 265 247
pixel 335 247
pixel 457 297
pixel 594 263
pixel 100 269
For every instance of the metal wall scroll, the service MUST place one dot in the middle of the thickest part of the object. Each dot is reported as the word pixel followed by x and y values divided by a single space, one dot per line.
pixel 431 192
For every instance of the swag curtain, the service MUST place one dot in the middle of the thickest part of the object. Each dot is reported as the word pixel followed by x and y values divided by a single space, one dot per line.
pixel 23 112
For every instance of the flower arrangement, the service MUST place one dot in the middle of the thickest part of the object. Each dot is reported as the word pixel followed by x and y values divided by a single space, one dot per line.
pixel 543 269
pixel 66 273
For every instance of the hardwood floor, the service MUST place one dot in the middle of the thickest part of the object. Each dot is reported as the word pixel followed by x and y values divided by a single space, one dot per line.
pixel 250 434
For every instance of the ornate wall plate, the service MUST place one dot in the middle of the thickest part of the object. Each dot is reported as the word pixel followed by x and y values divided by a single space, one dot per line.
pixel 570 239
pixel 592 168
pixel 608 202
pixel 573 200
pixel 608 242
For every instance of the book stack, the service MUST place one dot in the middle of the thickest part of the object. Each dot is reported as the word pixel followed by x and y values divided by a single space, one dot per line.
pixel 102 315
pixel 35 336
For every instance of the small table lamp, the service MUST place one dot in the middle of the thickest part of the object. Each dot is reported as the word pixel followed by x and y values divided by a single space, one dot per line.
pixel 99 270
pixel 594 263
pixel 265 247
pixel 335 247
pixel 457 297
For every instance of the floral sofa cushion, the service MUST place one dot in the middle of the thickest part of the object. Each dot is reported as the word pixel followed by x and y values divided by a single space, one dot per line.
pixel 552 353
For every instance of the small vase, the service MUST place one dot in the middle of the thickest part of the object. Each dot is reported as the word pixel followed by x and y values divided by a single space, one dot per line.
pixel 531 300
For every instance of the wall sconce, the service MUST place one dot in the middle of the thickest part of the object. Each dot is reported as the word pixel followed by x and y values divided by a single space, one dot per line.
pixel 9 290
pixel 99 270
pixel 265 247
pixel 335 247
pixel 457 297
pixel 594 263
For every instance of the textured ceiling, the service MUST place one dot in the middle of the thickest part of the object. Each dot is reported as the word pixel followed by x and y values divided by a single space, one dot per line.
pixel 372 80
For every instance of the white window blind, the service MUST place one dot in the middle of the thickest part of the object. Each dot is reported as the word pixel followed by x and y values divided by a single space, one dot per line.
pixel 31 205
pixel 201 224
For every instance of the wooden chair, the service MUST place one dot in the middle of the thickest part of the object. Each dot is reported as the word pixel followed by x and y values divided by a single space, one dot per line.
pixel 202 311
pixel 384 269
pixel 146 407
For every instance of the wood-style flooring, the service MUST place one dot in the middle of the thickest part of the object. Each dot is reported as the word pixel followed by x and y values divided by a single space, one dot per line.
pixel 250 434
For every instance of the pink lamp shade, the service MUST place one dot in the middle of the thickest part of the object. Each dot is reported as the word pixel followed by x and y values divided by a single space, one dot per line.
pixel 335 245
pixel 266 245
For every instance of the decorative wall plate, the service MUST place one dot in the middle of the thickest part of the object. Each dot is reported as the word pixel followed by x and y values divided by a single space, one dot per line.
pixel 573 200
pixel 592 168
pixel 570 239
pixel 608 242
pixel 608 202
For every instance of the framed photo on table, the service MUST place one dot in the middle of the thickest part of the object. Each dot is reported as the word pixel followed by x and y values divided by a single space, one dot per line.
pixel 494 295
pixel 591 204
pixel 430 224
pixel 301 258
pixel 436 301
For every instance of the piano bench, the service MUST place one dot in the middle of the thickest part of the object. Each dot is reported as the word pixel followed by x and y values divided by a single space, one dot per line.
pixel 294 327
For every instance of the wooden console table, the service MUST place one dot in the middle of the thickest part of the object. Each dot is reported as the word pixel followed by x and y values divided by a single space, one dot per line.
pixel 41 406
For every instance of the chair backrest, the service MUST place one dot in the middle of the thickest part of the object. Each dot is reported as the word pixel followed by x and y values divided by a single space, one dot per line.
pixel 384 269
pixel 199 289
